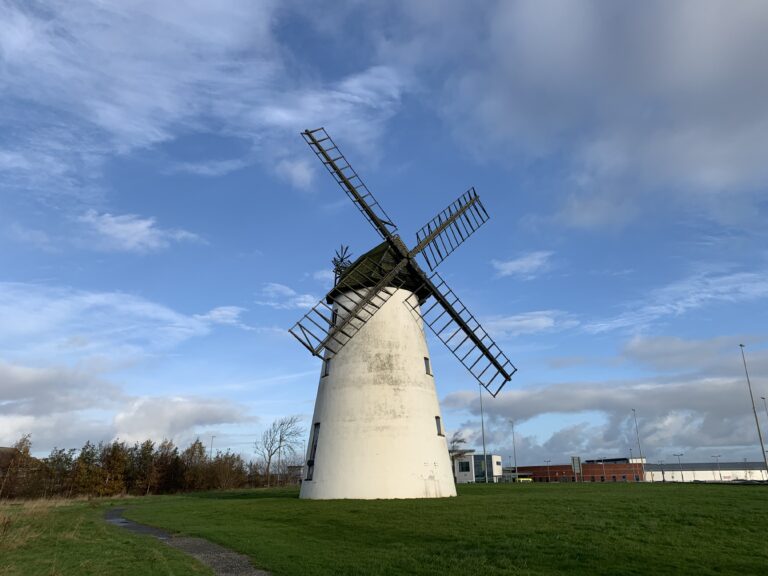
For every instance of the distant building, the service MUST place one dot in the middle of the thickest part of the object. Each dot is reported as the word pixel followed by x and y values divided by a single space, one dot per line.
pixel 637 470
pixel 614 470
pixel 468 467
pixel 705 472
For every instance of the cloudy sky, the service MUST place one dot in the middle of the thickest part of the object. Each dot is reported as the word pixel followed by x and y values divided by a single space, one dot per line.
pixel 162 222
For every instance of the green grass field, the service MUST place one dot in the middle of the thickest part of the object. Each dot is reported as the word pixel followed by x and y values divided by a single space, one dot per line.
pixel 501 529
pixel 70 537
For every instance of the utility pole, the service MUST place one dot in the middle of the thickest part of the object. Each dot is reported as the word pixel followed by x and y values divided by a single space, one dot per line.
pixel 210 453
pixel 717 459
pixel 765 406
pixel 754 411
pixel 482 429
pixel 682 479
pixel 547 462
pixel 514 448
pixel 637 433
pixel 661 464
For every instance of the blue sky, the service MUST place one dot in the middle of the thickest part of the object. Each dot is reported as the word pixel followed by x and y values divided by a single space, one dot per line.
pixel 163 223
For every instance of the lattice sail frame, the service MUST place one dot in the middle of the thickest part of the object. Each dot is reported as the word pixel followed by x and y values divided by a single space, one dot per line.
pixel 333 321
pixel 485 369
pixel 348 180
pixel 465 215
pixel 328 326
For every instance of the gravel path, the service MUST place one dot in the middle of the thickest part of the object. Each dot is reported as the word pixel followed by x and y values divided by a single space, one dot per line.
pixel 224 562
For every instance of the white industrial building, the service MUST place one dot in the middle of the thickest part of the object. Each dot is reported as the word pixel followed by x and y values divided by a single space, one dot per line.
pixel 705 472
pixel 468 467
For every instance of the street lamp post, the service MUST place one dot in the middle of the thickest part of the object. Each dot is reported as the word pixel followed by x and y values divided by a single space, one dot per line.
pixel 547 462
pixel 210 452
pixel 663 478
pixel 754 411
pixel 719 472
pixel 640 449
pixel 602 459
pixel 514 448
pixel 765 406
pixel 682 479
pixel 482 428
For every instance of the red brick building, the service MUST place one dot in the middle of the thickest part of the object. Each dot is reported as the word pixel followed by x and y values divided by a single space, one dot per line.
pixel 608 470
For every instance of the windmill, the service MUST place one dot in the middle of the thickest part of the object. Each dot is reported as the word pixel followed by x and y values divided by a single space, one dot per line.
pixel 377 430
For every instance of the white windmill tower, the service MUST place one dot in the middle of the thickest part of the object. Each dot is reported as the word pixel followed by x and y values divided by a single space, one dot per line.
pixel 376 431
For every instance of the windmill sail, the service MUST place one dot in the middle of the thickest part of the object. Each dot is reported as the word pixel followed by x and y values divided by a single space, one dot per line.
pixel 459 330
pixel 366 285
pixel 346 177
pixel 449 229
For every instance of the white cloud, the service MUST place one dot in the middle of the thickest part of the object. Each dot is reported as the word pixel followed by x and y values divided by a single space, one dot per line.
pixel 529 323
pixel 226 315
pixel 326 277
pixel 172 417
pixel 90 91
pixel 685 295
pixel 525 267
pixel 35 391
pixel 644 106
pixel 297 172
pixel 691 414
pixel 59 348
pixel 700 402
pixel 131 233
pixel 31 237
pixel 212 167
pixel 57 324
pixel 283 297
pixel 64 407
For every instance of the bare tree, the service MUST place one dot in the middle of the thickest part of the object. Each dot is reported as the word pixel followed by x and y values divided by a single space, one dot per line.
pixel 282 437
pixel 456 449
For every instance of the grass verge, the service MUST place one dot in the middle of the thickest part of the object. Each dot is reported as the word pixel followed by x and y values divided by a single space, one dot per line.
pixel 60 537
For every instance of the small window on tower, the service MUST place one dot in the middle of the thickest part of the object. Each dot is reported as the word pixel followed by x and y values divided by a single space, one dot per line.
pixel 427 366
pixel 326 367
pixel 439 426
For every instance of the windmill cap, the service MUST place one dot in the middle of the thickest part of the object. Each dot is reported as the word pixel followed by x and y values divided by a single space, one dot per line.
pixel 371 267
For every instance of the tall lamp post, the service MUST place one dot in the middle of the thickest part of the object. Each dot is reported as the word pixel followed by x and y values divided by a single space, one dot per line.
pixel 764 405
pixel 719 472
pixel 482 428
pixel 547 462
pixel 661 464
pixel 679 463
pixel 637 433
pixel 514 448
pixel 602 459
pixel 754 411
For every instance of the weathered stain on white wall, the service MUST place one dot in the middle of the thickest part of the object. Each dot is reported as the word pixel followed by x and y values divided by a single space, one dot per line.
pixel 376 408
